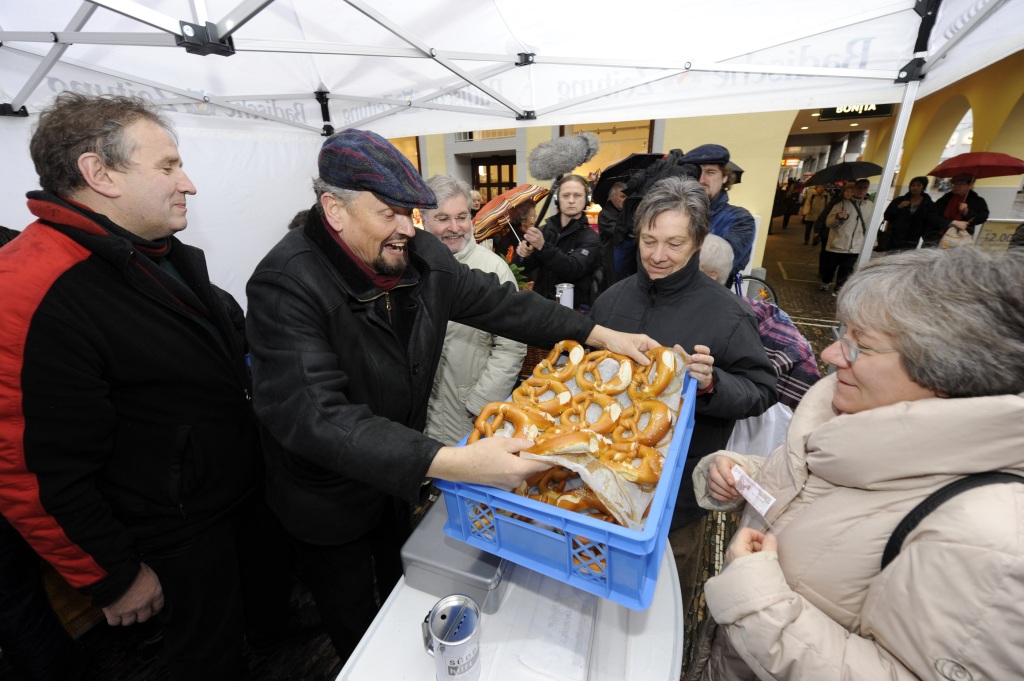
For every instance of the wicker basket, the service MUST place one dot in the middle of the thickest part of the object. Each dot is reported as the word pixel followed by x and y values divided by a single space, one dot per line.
pixel 534 356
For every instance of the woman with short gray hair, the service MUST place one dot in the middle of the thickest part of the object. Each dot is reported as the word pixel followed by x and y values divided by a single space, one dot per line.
pixel 928 389
pixel 672 301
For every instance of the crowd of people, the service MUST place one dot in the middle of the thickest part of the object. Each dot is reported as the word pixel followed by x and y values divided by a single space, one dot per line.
pixel 175 459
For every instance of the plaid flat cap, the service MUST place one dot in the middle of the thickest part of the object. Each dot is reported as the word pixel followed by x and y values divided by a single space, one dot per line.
pixel 365 161
pixel 707 153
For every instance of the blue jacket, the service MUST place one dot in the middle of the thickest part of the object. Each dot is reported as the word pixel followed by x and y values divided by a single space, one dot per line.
pixel 735 225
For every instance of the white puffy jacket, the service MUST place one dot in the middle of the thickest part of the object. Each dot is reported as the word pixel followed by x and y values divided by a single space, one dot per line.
pixel 950 606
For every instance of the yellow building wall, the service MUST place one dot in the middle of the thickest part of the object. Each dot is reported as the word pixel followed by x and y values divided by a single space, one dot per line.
pixel 994 95
pixel 756 142
pixel 437 159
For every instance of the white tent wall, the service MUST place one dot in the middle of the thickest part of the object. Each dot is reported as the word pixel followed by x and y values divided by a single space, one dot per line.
pixel 442 66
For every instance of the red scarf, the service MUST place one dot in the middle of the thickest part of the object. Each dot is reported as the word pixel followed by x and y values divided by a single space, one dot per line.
pixel 381 281
pixel 953 207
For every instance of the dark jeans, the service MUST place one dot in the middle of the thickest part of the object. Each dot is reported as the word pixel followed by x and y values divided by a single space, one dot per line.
pixel 808 228
pixel 228 581
pixel 343 578
pixel 31 637
pixel 843 262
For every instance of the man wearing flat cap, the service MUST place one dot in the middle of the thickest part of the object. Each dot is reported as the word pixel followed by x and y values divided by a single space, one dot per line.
pixel 347 320
pixel 732 223
pixel 961 208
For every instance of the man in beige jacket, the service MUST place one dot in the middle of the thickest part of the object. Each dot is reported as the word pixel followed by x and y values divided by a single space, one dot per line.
pixel 476 367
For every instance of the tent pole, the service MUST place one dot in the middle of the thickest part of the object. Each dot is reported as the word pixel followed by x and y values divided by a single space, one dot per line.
pixel 56 52
pixel 237 17
pixel 889 172
pixel 142 14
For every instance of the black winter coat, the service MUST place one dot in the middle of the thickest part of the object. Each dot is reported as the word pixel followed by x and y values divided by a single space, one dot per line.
pixel 570 256
pixel 689 308
pixel 125 420
pixel 343 370
pixel 905 227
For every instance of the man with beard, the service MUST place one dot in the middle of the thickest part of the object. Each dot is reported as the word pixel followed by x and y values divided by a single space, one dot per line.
pixel 476 367
pixel 347 320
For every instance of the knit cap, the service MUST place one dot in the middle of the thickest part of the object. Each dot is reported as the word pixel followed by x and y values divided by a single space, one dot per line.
pixel 365 161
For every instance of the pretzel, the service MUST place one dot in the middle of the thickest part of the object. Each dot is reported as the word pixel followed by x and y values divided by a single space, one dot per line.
pixel 550 484
pixel 635 462
pixel 658 425
pixel 582 499
pixel 547 367
pixel 582 442
pixel 589 378
pixel 651 381
pixel 493 416
pixel 530 391
pixel 575 415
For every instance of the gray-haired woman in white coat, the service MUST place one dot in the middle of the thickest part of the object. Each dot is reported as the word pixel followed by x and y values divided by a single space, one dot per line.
pixel 927 390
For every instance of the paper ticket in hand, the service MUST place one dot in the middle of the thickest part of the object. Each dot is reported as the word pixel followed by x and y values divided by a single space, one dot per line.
pixel 755 495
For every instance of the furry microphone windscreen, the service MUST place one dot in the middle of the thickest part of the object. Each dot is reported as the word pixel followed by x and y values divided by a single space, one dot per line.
pixel 562 155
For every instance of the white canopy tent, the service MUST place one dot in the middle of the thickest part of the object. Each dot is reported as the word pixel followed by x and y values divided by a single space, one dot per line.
pixel 248 82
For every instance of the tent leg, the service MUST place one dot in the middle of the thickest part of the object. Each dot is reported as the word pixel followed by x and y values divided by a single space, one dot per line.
pixel 889 171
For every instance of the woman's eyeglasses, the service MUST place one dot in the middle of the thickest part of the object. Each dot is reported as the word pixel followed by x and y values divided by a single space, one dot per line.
pixel 851 351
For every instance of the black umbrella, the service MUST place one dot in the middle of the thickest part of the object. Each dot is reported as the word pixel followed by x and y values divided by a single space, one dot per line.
pixel 621 171
pixel 843 172
pixel 736 170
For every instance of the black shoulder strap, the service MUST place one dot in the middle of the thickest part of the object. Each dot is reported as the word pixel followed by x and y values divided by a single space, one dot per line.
pixel 936 499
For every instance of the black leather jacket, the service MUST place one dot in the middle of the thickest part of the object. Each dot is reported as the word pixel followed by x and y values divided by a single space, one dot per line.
pixel 342 371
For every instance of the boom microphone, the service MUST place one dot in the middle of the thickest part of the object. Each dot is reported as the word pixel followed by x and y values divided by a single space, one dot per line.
pixel 562 155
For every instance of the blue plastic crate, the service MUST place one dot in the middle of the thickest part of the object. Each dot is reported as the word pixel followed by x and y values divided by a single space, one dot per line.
pixel 607 560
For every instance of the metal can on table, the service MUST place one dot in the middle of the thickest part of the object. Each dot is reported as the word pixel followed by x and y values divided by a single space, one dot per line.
pixel 451 634
pixel 564 294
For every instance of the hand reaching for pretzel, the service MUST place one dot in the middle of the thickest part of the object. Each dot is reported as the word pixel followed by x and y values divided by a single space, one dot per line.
pixel 633 345
pixel 700 364
pixel 488 461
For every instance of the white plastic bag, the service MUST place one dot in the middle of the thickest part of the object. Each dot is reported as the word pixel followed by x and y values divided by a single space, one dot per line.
pixel 760 435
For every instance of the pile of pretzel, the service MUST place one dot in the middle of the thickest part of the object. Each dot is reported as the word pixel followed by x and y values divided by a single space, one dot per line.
pixel 628 436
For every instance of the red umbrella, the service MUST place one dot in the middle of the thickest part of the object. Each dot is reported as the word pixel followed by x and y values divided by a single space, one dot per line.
pixel 979 164
pixel 494 215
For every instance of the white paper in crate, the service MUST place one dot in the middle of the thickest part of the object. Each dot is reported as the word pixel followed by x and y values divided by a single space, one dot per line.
pixel 627 501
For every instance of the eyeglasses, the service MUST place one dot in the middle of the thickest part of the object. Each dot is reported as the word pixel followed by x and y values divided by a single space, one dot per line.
pixel 445 219
pixel 851 351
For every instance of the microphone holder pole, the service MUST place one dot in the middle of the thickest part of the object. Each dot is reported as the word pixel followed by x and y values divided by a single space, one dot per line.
pixel 547 199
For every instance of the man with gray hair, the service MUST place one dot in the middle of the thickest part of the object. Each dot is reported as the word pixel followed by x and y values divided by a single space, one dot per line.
pixel 347 321
pixel 476 367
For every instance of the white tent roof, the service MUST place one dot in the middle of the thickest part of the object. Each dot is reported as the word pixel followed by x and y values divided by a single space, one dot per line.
pixel 407 68
pixel 249 124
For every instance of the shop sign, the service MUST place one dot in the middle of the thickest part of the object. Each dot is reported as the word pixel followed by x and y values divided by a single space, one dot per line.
pixel 848 111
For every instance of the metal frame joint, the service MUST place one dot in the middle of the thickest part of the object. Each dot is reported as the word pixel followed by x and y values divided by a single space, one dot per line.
pixel 525 58
pixel 9 110
pixel 203 40
pixel 913 70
